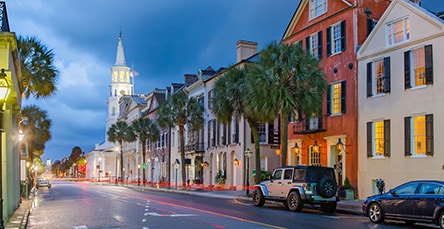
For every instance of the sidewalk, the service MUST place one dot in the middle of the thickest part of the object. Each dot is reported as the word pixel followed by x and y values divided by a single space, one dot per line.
pixel 19 219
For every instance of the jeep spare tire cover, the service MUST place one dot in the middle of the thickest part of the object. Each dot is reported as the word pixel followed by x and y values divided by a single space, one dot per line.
pixel 326 187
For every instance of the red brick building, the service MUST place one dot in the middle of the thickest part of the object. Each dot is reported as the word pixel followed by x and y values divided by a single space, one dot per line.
pixel 332 30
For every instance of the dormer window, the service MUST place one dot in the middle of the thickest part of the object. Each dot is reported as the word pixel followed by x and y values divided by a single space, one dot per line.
pixel 317 8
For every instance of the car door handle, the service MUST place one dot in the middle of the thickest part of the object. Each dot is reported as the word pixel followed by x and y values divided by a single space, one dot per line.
pixel 289 182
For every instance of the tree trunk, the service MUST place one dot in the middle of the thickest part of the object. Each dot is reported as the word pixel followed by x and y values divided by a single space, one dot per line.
pixel 257 150
pixel 143 161
pixel 284 136
pixel 182 154
pixel 122 174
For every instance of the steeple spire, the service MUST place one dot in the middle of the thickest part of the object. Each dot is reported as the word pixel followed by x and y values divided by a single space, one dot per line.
pixel 120 58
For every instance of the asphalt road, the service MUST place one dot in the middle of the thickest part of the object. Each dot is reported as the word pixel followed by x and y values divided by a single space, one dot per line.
pixel 85 205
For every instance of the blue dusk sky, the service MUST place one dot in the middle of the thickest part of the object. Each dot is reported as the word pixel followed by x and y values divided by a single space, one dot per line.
pixel 163 40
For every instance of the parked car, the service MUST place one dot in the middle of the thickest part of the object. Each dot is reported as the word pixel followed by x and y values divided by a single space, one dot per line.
pixel 414 201
pixel 43 183
pixel 295 186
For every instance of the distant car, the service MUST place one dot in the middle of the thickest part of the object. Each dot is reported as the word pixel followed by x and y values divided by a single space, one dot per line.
pixel 43 183
pixel 414 201
pixel 296 186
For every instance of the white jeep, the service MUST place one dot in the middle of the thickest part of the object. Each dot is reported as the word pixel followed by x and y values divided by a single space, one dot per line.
pixel 295 186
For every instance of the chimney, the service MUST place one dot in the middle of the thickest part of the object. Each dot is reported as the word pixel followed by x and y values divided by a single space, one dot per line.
pixel 245 49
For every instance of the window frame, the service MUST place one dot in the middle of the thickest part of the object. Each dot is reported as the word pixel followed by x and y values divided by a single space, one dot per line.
pixel 314 5
pixel 409 73
pixel 332 46
pixel 371 139
pixel 341 97
pixel 371 78
pixel 409 136
pixel 391 33
pixel 315 49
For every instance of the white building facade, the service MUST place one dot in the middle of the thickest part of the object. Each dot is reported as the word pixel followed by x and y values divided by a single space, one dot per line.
pixel 400 98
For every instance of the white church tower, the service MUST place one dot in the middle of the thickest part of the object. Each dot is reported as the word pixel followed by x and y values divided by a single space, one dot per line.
pixel 120 85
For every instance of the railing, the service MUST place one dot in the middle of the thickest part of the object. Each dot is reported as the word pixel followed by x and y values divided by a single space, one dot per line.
pixel 311 125
pixel 4 18
pixel 194 147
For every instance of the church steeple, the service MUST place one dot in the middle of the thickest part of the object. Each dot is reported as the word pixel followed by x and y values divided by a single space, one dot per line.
pixel 120 57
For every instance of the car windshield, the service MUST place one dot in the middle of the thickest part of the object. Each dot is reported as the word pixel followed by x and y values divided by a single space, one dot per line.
pixel 316 174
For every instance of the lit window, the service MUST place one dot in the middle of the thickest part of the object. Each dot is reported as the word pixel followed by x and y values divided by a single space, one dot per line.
pixel 378 138
pixel 336 95
pixel 317 8
pixel 419 135
pixel 398 31
pixel 418 67
pixel 378 77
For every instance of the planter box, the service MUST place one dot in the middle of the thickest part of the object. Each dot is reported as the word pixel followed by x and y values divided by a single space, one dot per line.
pixel 349 194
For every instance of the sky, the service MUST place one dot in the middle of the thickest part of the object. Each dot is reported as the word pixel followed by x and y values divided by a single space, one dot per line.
pixel 163 40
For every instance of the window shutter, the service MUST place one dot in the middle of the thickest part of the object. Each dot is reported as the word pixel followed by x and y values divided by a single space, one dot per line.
pixel 387 74
pixel 343 97
pixel 329 41
pixel 320 44
pixel 429 64
pixel 343 41
pixel 386 138
pixel 370 25
pixel 407 147
pixel 429 134
pixel 209 133
pixel 329 100
pixel 407 83
pixel 308 44
pixel 369 79
pixel 369 139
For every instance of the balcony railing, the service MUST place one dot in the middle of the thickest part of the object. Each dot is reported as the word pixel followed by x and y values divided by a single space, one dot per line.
pixel 4 18
pixel 311 125
pixel 194 148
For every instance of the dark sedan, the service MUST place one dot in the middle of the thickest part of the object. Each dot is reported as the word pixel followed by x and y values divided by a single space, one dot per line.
pixel 414 201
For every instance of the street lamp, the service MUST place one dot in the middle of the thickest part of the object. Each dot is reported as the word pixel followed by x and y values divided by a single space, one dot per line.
pixel 296 150
pixel 4 93
pixel 248 154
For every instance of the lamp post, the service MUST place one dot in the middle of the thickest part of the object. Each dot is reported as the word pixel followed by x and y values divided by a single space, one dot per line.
pixel 138 174
pixel 247 159
pixel 4 93
pixel 176 166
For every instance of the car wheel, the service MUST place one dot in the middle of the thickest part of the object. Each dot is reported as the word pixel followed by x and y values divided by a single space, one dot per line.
pixel 258 198
pixel 329 207
pixel 294 202
pixel 375 213
pixel 327 187
pixel 441 220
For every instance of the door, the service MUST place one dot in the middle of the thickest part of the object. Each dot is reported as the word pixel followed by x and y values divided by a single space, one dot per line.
pixel 275 185
pixel 286 182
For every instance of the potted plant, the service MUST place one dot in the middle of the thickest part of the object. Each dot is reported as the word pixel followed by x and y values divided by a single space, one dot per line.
pixel 220 178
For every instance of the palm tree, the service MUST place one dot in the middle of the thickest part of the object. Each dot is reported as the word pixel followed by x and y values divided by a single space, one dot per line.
pixel 37 67
pixel 36 132
pixel 292 81
pixel 145 129
pixel 229 100
pixel 179 110
pixel 121 132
